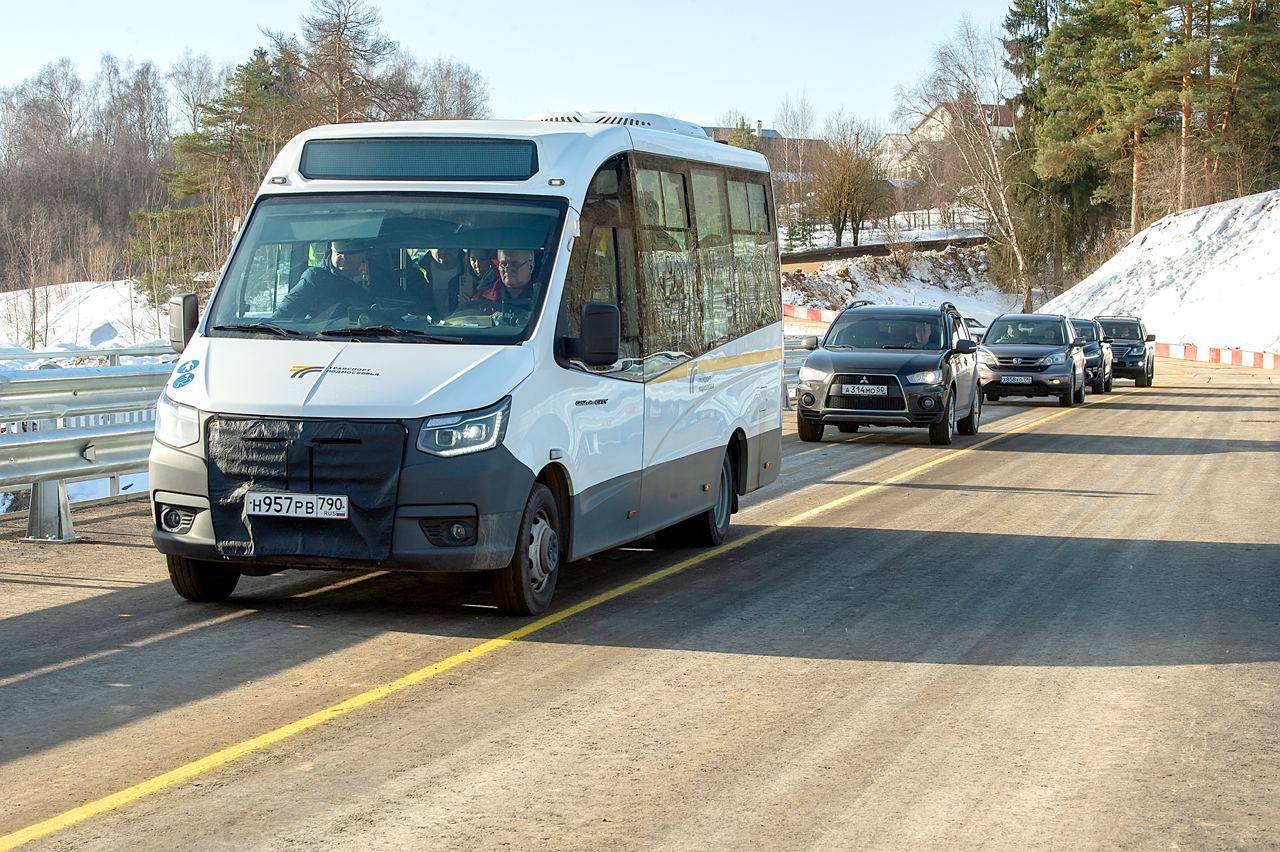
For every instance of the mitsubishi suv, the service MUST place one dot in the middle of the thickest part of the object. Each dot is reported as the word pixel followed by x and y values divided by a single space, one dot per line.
pixel 1034 355
pixel 1134 357
pixel 882 365
pixel 1098 357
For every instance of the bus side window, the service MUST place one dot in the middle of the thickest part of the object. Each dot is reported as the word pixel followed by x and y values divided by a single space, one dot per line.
pixel 755 256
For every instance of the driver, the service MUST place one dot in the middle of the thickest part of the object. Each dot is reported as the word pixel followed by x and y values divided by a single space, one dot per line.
pixel 514 289
pixel 343 281
pixel 923 334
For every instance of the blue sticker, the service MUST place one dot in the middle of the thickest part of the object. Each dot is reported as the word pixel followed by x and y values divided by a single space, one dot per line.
pixel 188 366
pixel 183 380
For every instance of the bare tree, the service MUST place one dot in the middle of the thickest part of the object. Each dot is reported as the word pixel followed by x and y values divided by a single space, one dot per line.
pixel 794 123
pixel 850 181
pixel 969 82
pixel 194 82
pixel 448 89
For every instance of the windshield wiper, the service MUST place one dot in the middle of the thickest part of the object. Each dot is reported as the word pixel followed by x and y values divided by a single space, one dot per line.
pixel 901 347
pixel 268 327
pixel 358 331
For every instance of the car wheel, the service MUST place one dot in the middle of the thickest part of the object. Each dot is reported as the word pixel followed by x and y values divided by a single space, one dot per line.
pixel 992 397
pixel 709 528
pixel 528 582
pixel 1100 386
pixel 810 432
pixel 943 432
pixel 1079 391
pixel 1111 383
pixel 1068 399
pixel 199 581
pixel 848 428
pixel 971 424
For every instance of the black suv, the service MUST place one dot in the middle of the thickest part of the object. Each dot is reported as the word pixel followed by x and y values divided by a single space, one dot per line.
pixel 881 365
pixel 1098 356
pixel 1134 359
pixel 1034 355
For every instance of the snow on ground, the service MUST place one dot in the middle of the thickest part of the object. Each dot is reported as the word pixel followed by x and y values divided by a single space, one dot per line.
pixel 956 274
pixel 1209 276
pixel 81 315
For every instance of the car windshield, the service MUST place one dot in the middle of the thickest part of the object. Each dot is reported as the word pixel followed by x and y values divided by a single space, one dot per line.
pixel 1028 332
pixel 1087 331
pixel 878 331
pixel 407 268
pixel 1121 329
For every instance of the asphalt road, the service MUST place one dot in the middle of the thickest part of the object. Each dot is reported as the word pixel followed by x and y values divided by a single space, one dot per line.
pixel 1067 636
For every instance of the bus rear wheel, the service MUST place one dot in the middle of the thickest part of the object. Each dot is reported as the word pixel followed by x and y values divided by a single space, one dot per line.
pixel 706 529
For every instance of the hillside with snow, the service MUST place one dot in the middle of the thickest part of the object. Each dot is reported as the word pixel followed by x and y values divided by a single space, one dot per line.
pixel 1209 276
pixel 81 315
pixel 956 274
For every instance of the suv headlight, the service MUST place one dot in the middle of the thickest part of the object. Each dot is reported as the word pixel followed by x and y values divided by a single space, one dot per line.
pixel 468 432
pixel 988 359
pixel 177 425
pixel 927 377
pixel 1054 359
pixel 811 374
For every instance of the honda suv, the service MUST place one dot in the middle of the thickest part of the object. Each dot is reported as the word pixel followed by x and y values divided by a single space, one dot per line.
pixel 1134 358
pixel 882 365
pixel 1098 356
pixel 1034 355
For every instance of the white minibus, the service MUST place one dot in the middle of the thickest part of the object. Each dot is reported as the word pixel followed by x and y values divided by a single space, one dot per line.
pixel 492 346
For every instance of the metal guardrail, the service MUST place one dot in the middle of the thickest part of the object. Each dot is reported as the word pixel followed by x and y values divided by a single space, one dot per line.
pixel 74 423
pixel 112 355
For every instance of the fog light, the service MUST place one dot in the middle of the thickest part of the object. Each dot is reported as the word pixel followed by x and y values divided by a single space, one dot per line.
pixel 175 520
pixel 1057 381
pixel 928 403
pixel 808 399
pixel 459 532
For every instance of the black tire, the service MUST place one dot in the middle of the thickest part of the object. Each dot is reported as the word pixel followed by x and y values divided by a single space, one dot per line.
pixel 1068 399
pixel 970 425
pixel 528 582
pixel 1111 383
pixel 706 529
pixel 848 428
pixel 993 397
pixel 1143 379
pixel 202 582
pixel 1079 392
pixel 942 433
pixel 1100 386
pixel 810 432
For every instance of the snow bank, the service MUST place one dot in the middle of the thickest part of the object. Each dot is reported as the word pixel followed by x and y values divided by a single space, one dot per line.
pixel 1209 276
pixel 81 315
pixel 956 274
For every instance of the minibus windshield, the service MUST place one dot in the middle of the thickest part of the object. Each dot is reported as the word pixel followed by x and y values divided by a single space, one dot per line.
pixel 414 268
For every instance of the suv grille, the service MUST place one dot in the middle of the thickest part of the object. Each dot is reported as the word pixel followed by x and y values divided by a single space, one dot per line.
pixel 894 401
pixel 1022 362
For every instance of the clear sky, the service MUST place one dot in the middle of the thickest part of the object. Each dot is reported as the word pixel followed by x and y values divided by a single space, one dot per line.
pixel 693 59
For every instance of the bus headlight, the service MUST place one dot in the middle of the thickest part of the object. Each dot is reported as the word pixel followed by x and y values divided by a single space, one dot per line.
pixel 468 432
pixel 176 425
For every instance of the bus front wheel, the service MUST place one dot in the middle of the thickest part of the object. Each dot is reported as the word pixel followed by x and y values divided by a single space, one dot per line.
pixel 528 582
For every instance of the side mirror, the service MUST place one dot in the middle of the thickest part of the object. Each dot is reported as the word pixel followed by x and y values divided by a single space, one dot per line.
pixel 184 316
pixel 966 347
pixel 1151 338
pixel 1107 340
pixel 601 335
pixel 810 342
pixel 1076 344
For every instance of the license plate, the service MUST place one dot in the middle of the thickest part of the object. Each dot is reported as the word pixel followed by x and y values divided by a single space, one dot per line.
pixel 286 505
pixel 864 390
pixel 1015 380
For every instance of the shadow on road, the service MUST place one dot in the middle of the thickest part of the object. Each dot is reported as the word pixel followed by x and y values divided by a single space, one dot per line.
pixel 1126 445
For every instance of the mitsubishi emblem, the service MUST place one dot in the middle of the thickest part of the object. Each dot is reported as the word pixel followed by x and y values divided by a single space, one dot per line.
pixel 864 381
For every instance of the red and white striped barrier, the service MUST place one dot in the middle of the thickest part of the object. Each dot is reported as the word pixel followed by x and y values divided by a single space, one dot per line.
pixel 808 314
pixel 1219 355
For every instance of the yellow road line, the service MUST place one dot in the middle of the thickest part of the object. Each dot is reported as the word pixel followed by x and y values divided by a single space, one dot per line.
pixel 224 756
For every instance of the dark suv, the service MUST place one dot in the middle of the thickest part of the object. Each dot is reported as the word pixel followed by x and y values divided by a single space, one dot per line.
pixel 1134 358
pixel 1034 355
pixel 881 365
pixel 1098 356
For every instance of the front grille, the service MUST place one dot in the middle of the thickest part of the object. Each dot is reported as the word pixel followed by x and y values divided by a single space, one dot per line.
pixel 895 401
pixel 1024 363
pixel 360 459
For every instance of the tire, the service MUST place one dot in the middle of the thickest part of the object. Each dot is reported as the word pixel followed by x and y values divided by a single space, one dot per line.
pixel 992 397
pixel 528 582
pixel 1078 392
pixel 848 428
pixel 706 529
pixel 202 582
pixel 971 424
pixel 810 432
pixel 1100 386
pixel 1068 399
pixel 942 433
pixel 1111 383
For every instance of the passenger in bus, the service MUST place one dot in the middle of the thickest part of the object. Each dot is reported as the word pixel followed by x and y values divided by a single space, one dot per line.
pixel 442 272
pixel 342 282
pixel 513 292
pixel 482 270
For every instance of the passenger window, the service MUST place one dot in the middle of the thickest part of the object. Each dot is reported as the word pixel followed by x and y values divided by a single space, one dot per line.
pixel 715 255
pixel 267 279
pixel 755 256
pixel 661 198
